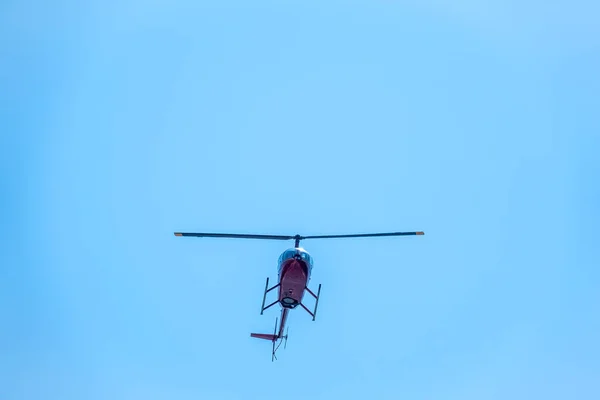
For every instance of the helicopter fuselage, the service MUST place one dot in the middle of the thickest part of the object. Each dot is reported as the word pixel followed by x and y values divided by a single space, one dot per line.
pixel 295 266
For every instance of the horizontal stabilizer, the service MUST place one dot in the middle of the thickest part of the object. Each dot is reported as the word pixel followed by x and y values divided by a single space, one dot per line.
pixel 264 336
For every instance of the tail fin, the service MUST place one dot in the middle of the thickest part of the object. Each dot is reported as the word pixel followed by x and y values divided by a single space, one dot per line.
pixel 273 338
pixel 265 336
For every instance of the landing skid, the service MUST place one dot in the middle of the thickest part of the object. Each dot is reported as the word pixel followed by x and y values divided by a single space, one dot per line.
pixel 267 290
pixel 313 313
pixel 316 296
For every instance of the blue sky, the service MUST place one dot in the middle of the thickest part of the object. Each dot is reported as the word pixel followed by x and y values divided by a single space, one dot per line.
pixel 472 121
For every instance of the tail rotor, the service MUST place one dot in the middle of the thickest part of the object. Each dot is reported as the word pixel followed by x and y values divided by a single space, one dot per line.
pixel 283 340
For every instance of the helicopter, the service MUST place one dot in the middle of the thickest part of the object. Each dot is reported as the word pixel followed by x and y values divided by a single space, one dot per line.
pixel 294 270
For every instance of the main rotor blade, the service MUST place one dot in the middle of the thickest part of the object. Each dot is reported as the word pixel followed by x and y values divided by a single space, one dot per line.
pixel 296 237
pixel 363 235
pixel 235 235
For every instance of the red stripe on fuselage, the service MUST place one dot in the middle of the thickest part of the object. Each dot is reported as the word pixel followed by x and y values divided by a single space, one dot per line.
pixel 293 279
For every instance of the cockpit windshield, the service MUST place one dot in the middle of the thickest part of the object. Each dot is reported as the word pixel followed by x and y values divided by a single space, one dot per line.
pixel 307 258
pixel 291 253
pixel 288 254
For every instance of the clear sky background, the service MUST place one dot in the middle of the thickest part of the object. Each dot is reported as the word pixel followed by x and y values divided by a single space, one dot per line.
pixel 476 122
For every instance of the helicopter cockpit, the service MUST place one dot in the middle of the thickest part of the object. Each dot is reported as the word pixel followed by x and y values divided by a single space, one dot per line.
pixel 296 253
